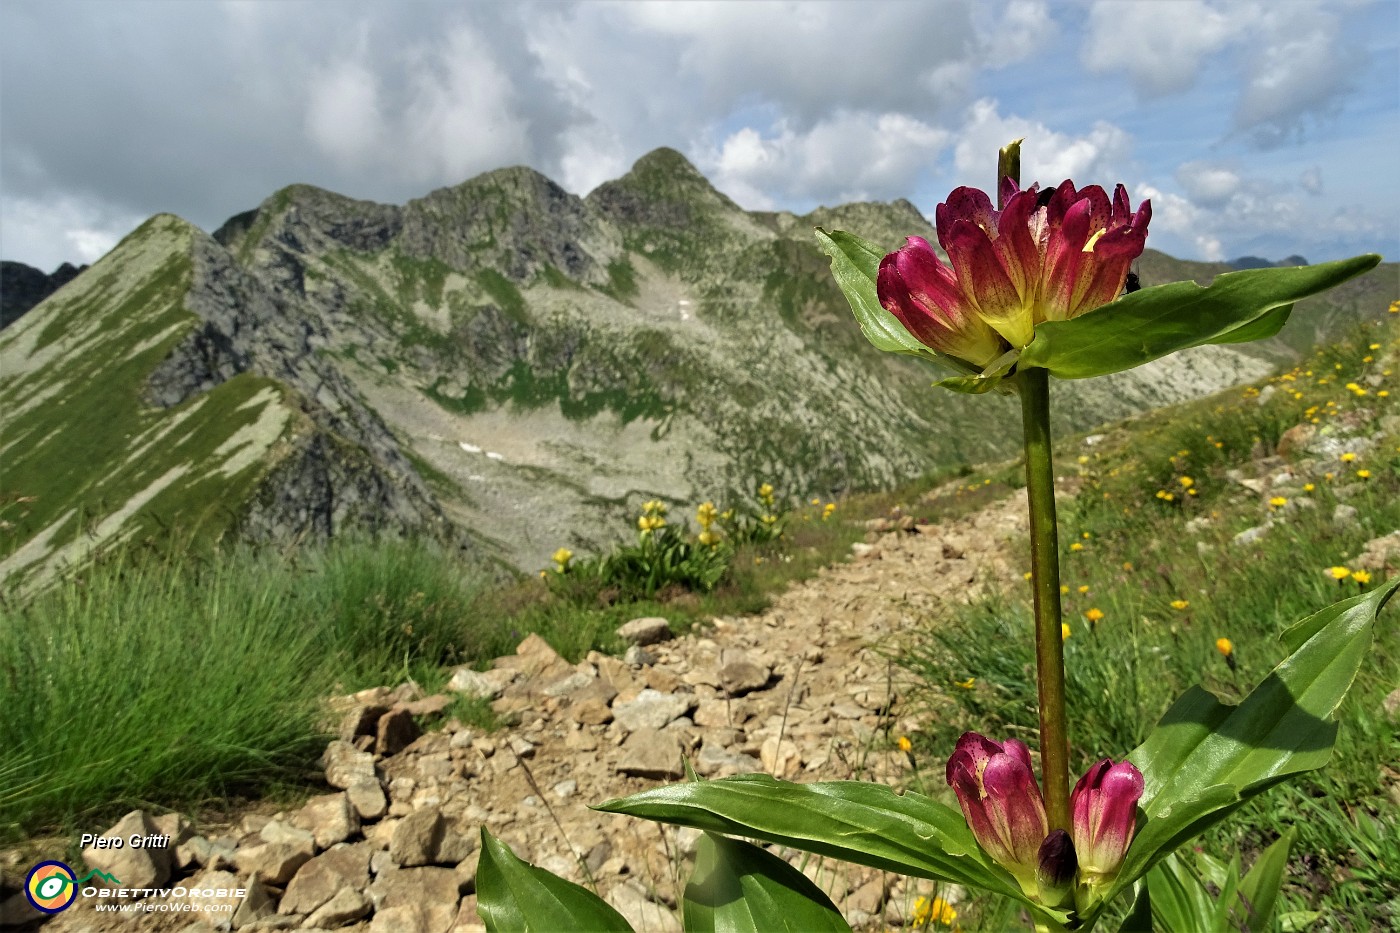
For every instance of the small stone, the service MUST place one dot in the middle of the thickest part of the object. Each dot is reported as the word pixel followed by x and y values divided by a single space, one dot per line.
pixel 590 712
pixel 428 706
pixel 742 676
pixel 1391 705
pixel 781 760
pixel 424 837
pixel 1252 535
pixel 346 906
pixel 329 818
pixel 573 683
pixel 863 551
pixel 367 799
pixel 257 904
pixel 645 631
pixel 137 868
pixel 277 832
pixel 651 709
pixel 637 656
pixel 565 789
pixel 475 684
pixel 396 731
pixel 273 863
pixel 345 765
pixel 630 899
pixel 1344 516
pixel 650 753
pixel 715 761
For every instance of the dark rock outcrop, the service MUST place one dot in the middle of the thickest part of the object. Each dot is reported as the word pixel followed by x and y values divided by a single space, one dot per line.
pixel 23 286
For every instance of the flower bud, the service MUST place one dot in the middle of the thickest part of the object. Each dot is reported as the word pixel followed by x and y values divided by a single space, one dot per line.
pixel 1001 801
pixel 1056 869
pixel 1103 806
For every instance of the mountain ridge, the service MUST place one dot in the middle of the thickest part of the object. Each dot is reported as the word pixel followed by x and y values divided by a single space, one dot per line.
pixel 510 367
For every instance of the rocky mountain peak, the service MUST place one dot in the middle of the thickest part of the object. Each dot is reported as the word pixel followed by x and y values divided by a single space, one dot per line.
pixel 514 220
pixel 662 191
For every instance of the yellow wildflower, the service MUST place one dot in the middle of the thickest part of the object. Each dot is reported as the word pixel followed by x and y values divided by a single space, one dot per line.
pixel 1361 576
pixel 1225 646
pixel 1064 631
pixel 1308 487
pixel 939 912
pixel 1180 604
pixel 965 684
pixel 1128 566
pixel 904 744
pixel 1027 574
pixel 765 490
pixel 1094 615
pixel 1364 474
pixel 1339 573
pixel 708 538
pixel 706 514
pixel 1064 589
pixel 1374 346
pixel 1186 482
pixel 1348 457
pixel 1083 590
pixel 1076 546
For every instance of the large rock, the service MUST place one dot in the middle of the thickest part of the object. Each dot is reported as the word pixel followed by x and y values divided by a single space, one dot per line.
pixel 424 837
pixel 271 862
pixel 414 899
pixel 651 709
pixel 329 819
pixel 345 866
pixel 346 906
pixel 645 631
pixel 650 753
pixel 346 765
pixel 395 732
pixel 134 868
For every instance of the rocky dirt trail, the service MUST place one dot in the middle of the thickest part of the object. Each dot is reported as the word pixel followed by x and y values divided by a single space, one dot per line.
pixel 801 691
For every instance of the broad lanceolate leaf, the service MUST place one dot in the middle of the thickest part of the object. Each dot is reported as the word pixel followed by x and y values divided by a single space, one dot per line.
pixel 868 824
pixel 515 896
pixel 854 265
pixel 1153 322
pixel 739 888
pixel 1205 758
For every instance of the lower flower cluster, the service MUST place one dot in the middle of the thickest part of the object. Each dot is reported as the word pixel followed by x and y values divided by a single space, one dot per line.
pixel 999 796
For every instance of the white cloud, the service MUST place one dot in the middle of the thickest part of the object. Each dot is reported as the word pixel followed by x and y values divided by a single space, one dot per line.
pixel 1161 46
pixel 1024 26
pixel 1049 157
pixel 1208 184
pixel 1298 69
pixel 343 115
pixel 848 157
pixel 1174 214
pixel 46 232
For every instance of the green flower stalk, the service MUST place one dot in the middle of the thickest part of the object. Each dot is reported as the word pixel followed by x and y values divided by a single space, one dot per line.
pixel 1041 256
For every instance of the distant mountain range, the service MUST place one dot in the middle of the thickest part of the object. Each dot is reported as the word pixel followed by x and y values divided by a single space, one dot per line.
pixel 499 364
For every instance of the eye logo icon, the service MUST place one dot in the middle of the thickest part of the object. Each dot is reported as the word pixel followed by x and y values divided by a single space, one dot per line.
pixel 52 887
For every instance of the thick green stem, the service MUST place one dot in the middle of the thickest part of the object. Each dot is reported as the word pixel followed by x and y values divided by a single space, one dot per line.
pixel 1034 385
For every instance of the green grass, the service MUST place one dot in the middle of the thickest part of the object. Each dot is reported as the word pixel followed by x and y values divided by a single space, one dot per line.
pixel 146 682
pixel 1136 557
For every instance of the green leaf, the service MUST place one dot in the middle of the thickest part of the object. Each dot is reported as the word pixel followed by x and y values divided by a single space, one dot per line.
pixel 1205 758
pixel 1153 322
pixel 868 824
pixel 739 888
pixel 854 265
pixel 1259 889
pixel 513 895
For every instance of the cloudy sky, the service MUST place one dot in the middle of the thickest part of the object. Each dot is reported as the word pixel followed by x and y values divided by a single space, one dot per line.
pixel 1263 128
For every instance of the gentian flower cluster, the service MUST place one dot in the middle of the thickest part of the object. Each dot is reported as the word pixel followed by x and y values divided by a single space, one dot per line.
pixel 1002 803
pixel 1047 256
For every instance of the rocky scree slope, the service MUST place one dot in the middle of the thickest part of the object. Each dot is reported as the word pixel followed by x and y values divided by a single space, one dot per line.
pixel 500 363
